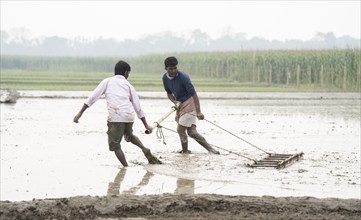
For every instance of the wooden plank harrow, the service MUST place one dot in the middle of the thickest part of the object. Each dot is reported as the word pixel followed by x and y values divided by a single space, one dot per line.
pixel 278 161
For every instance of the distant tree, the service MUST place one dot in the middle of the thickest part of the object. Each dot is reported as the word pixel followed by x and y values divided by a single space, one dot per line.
pixel 328 39
pixel 199 40
pixel 4 37
pixel 54 46
pixel 17 42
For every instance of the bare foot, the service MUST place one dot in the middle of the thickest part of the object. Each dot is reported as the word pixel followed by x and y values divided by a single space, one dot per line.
pixel 151 159
pixel 213 151
pixel 184 152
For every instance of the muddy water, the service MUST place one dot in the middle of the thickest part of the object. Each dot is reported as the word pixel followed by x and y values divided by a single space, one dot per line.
pixel 45 155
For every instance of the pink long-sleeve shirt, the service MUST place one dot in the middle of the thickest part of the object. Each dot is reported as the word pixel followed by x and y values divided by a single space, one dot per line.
pixel 122 99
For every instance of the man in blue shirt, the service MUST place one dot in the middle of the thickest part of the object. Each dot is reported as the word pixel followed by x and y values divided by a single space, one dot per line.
pixel 180 90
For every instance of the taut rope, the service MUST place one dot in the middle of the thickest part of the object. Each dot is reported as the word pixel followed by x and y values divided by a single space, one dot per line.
pixel 237 137
pixel 160 135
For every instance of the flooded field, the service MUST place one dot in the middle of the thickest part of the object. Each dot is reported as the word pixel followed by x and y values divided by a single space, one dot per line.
pixel 45 155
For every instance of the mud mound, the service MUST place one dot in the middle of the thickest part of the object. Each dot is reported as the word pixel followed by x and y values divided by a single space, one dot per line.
pixel 170 206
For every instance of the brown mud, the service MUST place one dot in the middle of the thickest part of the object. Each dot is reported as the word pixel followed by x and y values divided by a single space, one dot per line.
pixel 171 206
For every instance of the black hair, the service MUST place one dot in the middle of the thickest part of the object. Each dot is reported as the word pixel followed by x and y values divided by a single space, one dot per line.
pixel 170 61
pixel 121 67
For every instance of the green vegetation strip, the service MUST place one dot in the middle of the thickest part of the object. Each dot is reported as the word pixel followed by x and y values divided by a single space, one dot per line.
pixel 80 81
pixel 316 70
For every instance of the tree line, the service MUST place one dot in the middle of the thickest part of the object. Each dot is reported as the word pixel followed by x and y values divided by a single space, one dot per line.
pixel 166 42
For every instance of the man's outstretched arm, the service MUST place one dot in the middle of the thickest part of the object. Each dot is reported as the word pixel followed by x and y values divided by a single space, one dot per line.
pixel 77 117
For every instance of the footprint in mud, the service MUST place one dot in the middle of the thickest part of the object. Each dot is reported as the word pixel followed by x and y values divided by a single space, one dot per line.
pixel 302 171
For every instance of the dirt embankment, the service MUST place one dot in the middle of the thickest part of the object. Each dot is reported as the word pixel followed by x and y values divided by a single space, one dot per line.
pixel 170 206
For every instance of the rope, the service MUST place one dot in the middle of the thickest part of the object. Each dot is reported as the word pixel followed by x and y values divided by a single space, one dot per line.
pixel 160 134
pixel 238 137
pixel 234 135
pixel 160 128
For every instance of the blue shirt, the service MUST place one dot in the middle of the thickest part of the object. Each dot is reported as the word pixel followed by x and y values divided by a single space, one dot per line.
pixel 180 86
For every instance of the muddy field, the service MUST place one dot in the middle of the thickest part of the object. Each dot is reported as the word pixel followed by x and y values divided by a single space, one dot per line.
pixel 53 168
pixel 184 206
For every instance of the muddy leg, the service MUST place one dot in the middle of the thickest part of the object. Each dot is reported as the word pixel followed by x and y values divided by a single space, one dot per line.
pixel 193 133
pixel 183 139
pixel 151 159
pixel 121 157
pixel 114 138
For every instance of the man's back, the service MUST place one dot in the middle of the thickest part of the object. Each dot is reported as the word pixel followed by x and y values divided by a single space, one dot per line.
pixel 118 94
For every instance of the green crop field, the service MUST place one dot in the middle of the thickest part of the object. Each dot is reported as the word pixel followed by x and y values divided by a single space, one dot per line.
pixel 242 71
pixel 40 80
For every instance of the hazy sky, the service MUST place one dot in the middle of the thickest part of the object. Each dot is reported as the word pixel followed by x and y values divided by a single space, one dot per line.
pixel 135 19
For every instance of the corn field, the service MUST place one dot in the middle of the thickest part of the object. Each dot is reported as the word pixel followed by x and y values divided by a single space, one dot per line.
pixel 328 69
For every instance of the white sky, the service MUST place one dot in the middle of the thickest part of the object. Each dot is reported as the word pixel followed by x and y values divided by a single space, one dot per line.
pixel 135 19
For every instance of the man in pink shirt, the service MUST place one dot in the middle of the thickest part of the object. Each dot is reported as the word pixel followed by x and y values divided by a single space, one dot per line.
pixel 123 103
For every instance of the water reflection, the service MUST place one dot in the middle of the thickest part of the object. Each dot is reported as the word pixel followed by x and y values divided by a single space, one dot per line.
pixel 120 185
pixel 114 187
pixel 184 186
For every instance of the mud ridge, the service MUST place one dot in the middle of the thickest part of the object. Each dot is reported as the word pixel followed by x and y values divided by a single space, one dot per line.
pixel 171 206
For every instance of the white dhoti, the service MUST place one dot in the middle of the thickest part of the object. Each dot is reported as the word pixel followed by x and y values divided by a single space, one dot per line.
pixel 188 119
pixel 186 114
